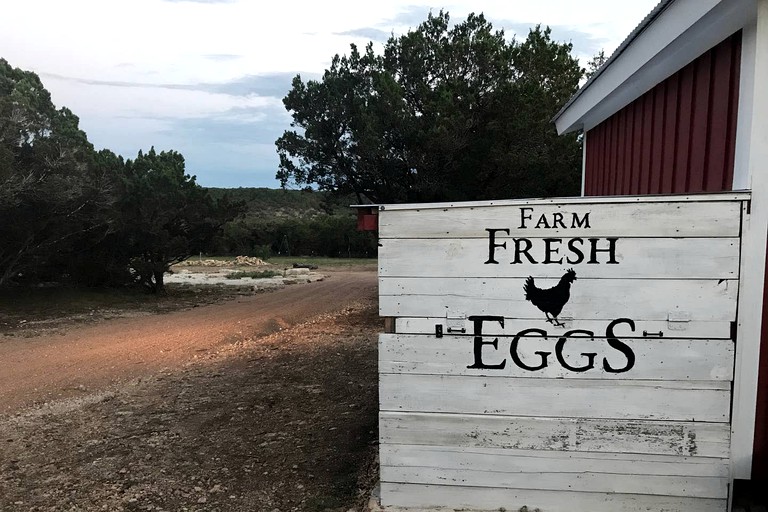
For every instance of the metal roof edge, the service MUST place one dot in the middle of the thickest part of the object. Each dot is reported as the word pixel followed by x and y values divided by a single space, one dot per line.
pixel 639 29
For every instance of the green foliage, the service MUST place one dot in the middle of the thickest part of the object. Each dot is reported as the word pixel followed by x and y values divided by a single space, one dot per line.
pixel 290 222
pixel 446 113
pixel 280 203
pixel 595 63
pixel 167 216
pixel 324 235
pixel 53 199
pixel 321 261
pixel 72 213
pixel 254 274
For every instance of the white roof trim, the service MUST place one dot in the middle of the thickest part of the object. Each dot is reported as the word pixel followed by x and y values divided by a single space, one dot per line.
pixel 631 37
pixel 680 32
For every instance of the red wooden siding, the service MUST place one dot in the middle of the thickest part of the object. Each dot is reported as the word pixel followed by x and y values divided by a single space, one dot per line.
pixel 367 219
pixel 679 137
pixel 760 447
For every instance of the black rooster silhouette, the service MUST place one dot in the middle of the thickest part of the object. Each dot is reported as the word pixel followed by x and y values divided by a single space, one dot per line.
pixel 551 300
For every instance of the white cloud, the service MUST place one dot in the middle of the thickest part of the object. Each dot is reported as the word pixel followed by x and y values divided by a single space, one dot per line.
pixel 171 41
pixel 183 42
pixel 154 102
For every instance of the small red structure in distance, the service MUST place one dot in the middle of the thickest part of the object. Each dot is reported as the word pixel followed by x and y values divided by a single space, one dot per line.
pixel 367 217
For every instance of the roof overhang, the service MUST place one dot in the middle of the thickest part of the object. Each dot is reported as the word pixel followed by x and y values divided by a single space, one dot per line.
pixel 674 34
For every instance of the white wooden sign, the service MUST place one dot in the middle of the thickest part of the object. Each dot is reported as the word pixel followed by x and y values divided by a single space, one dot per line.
pixel 562 355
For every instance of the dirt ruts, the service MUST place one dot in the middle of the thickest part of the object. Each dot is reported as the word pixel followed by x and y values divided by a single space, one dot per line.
pixel 90 358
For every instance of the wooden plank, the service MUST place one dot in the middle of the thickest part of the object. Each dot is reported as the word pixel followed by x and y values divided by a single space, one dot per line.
pixel 626 118
pixel 677 258
pixel 680 328
pixel 605 168
pixel 691 439
pixel 675 219
pixel 594 144
pixel 418 497
pixel 719 120
pixel 610 169
pixel 590 299
pixel 683 129
pixel 700 123
pixel 670 133
pixel 646 138
pixel 738 195
pixel 553 480
pixel 637 148
pixel 555 471
pixel 636 400
pixel 658 143
pixel 662 359
pixel 510 460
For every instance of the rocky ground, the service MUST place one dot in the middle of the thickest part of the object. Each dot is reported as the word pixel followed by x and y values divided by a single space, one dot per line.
pixel 279 420
pixel 232 277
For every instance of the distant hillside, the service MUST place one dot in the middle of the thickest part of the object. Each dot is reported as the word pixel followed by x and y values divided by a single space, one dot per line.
pixel 278 203
pixel 292 222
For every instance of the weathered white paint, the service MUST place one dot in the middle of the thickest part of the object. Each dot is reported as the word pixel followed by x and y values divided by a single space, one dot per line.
pixel 618 441
pixel 419 497
pixel 601 299
pixel 552 480
pixel 674 438
pixel 656 359
pixel 567 398
pixel 644 258
pixel 715 197
pixel 681 219
pixel 539 470
pixel 510 460
pixel 753 262
pixel 675 327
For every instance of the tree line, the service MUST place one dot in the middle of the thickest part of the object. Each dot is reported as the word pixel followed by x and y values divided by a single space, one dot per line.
pixel 446 112
pixel 292 223
pixel 71 213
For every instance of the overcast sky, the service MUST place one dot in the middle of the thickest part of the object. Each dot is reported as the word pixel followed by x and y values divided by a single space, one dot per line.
pixel 206 77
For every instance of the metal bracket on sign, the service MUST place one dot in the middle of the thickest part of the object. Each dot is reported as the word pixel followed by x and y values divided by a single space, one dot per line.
pixel 678 320
pixel 454 321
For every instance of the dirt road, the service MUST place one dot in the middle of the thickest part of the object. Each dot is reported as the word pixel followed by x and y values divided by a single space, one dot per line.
pixel 283 422
pixel 87 359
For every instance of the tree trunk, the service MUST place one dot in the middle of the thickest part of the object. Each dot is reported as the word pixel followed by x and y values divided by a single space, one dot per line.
pixel 159 284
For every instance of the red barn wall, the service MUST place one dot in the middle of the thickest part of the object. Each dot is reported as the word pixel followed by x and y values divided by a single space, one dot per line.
pixel 679 137
pixel 760 448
